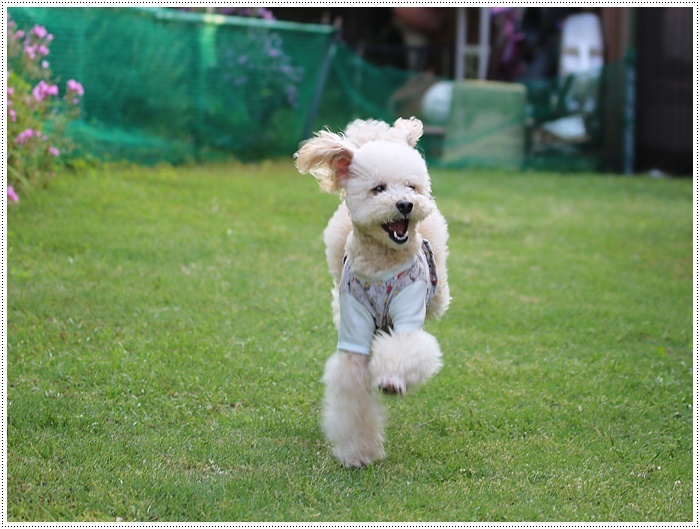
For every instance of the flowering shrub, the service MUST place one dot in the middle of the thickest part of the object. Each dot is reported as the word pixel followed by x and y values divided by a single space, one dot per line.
pixel 36 113
pixel 261 73
pixel 256 67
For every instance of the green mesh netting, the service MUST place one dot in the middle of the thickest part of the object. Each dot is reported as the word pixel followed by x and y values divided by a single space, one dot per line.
pixel 161 85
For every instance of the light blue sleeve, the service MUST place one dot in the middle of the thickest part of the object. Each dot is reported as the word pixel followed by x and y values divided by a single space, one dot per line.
pixel 356 328
pixel 407 310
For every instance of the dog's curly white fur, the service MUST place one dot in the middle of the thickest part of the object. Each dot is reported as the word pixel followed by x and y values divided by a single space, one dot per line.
pixel 378 232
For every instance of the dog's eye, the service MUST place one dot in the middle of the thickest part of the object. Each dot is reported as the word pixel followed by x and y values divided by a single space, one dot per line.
pixel 411 186
pixel 379 189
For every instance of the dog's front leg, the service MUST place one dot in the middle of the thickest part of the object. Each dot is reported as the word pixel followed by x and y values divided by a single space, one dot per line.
pixel 353 417
pixel 403 360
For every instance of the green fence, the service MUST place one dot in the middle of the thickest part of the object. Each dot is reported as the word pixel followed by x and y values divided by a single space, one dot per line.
pixel 163 85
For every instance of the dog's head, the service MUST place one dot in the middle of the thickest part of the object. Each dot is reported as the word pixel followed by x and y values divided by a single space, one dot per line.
pixel 376 169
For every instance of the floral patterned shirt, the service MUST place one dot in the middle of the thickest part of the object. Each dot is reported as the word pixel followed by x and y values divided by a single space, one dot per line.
pixel 397 302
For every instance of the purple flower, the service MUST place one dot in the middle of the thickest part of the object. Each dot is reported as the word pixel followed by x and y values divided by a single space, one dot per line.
pixel 265 14
pixel 42 50
pixel 13 115
pixel 11 194
pixel 74 86
pixel 44 64
pixel 54 151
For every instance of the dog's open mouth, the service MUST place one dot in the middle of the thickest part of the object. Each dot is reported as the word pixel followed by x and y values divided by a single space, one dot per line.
pixel 397 230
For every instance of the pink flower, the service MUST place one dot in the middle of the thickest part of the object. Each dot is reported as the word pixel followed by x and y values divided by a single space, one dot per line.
pixel 11 194
pixel 74 86
pixel 25 135
pixel 13 115
pixel 54 151
pixel 31 51
pixel 39 92
pixel 44 64
pixel 42 50
pixel 42 90
pixel 10 90
pixel 39 31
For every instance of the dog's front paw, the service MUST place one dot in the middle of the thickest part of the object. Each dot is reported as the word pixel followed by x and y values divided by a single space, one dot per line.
pixel 403 361
pixel 392 385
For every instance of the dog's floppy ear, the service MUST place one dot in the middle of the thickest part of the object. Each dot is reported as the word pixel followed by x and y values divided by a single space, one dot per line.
pixel 327 157
pixel 409 129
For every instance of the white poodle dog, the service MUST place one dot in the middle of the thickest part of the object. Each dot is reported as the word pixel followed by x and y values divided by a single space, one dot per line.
pixel 386 247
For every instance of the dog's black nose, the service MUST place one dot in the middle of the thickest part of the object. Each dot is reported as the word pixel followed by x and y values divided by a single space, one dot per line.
pixel 404 206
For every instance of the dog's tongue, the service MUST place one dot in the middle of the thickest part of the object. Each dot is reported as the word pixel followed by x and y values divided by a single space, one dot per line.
pixel 399 227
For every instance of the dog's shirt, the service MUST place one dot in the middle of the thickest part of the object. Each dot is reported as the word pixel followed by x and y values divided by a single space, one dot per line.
pixel 399 301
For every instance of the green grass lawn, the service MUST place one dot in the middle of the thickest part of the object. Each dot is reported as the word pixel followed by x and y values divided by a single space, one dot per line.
pixel 167 331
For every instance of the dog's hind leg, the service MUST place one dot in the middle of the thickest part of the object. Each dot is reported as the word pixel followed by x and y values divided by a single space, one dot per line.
pixel 353 416
pixel 403 361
